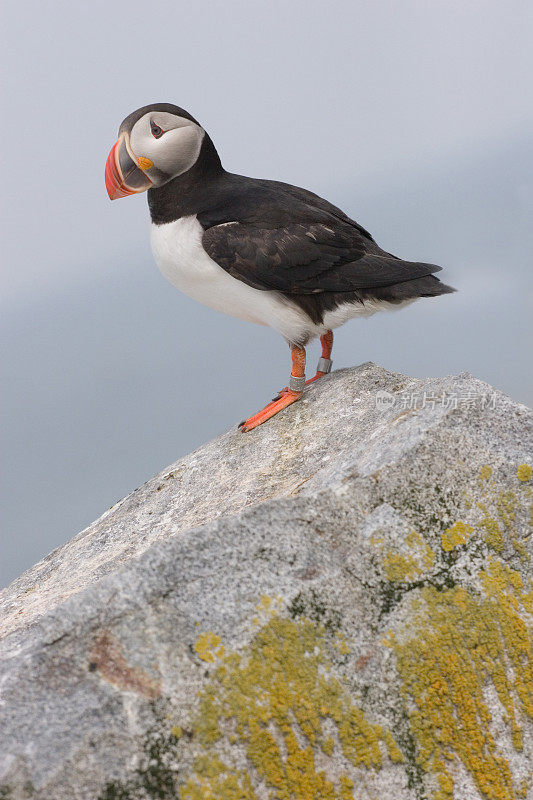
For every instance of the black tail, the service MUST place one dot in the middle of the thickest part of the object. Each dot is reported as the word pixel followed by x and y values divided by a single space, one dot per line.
pixel 427 286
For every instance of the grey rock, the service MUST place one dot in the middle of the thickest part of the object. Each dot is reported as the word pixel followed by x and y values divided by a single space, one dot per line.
pixel 334 605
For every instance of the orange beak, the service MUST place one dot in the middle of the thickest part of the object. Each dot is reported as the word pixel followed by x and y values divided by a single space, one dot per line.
pixel 122 175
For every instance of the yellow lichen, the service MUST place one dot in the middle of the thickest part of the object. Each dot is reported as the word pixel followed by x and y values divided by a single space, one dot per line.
pixel 346 788
pixel 457 642
pixel 265 602
pixel 519 547
pixel 493 535
pixel 485 473
pixel 275 698
pixel 524 472
pixel 214 781
pixel 280 702
pixel 458 534
pixel 504 522
pixel 506 505
pixel 400 567
pixel 395 754
pixel 208 647
pixel 340 643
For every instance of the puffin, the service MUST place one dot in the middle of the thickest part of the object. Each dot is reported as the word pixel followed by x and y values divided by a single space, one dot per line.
pixel 260 250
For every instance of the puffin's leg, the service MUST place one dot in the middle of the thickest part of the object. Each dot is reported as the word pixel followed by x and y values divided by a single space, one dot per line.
pixel 324 362
pixel 286 397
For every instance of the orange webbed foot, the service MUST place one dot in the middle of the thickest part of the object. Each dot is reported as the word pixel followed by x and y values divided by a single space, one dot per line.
pixel 286 398
pixel 290 394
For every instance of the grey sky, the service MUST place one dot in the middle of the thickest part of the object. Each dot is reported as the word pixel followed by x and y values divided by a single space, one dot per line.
pixel 416 117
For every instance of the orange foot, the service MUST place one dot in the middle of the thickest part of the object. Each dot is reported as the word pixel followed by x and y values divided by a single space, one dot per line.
pixel 285 398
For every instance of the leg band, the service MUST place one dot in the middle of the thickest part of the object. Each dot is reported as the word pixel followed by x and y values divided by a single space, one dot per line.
pixel 324 365
pixel 296 384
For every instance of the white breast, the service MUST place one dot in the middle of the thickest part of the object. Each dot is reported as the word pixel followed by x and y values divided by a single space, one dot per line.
pixel 179 254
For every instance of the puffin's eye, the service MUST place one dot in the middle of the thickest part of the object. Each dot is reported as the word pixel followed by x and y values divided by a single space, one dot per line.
pixel 157 132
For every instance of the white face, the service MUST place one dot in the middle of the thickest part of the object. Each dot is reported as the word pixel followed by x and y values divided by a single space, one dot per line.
pixel 171 143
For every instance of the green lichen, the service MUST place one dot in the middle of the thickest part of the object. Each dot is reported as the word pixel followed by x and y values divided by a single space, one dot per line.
pixel 430 509
pixel 412 568
pixel 156 774
pixel 27 791
pixel 275 699
pixel 116 791
pixel 311 605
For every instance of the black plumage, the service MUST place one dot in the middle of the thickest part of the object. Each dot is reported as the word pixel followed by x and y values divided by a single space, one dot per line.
pixel 259 250
pixel 274 236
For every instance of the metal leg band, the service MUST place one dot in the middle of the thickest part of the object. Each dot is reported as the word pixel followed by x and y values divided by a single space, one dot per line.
pixel 324 365
pixel 296 384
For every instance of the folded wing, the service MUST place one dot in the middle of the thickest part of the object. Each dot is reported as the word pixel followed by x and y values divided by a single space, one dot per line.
pixel 321 254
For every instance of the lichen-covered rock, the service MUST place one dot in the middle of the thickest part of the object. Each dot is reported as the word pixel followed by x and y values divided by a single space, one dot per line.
pixel 333 606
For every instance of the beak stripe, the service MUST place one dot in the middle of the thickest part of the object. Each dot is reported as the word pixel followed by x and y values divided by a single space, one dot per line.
pixel 122 175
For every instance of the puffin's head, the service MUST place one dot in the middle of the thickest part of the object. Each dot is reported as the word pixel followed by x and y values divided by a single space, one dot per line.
pixel 155 144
